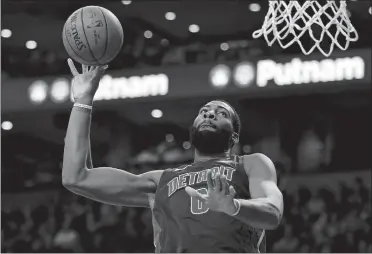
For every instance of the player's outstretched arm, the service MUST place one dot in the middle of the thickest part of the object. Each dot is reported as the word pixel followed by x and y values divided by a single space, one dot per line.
pixel 105 184
pixel 265 209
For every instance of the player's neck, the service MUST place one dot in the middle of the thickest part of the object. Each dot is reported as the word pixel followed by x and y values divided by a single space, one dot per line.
pixel 202 157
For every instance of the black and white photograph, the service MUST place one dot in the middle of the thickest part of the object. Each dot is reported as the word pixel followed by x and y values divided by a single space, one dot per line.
pixel 186 126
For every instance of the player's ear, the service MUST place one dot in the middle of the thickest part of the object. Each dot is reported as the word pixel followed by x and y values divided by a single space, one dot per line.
pixel 235 138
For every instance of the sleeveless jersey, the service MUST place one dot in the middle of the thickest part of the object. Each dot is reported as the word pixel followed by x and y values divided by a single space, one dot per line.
pixel 183 224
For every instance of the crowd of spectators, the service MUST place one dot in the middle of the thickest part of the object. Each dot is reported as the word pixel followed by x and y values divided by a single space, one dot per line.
pixel 315 220
pixel 44 172
pixel 325 220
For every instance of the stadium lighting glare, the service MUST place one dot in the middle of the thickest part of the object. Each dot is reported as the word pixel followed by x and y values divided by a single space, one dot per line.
pixel 60 90
pixel 170 15
pixel 194 28
pixel 6 33
pixel 219 76
pixel 169 138
pixel 255 7
pixel 38 92
pixel 224 46
pixel 7 125
pixel 127 2
pixel 148 34
pixel 186 145
pixel 244 74
pixel 156 113
pixel 31 44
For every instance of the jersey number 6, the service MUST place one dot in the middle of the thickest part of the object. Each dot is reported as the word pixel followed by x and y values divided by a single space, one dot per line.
pixel 198 207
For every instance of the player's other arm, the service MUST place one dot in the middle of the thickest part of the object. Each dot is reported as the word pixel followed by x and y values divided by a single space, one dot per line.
pixel 265 209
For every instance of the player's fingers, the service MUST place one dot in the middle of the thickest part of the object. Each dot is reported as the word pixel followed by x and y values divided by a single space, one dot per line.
pixel 72 67
pixel 209 180
pixel 232 191
pixel 217 180
pixel 102 68
pixel 193 193
pixel 225 185
pixel 85 68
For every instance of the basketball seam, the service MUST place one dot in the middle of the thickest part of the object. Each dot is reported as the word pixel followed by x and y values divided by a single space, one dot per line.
pixel 72 47
pixel 86 38
pixel 106 34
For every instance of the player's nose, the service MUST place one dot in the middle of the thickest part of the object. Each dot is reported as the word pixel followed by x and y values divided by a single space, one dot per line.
pixel 209 115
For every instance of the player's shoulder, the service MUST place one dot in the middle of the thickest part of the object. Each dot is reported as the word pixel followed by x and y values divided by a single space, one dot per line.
pixel 153 175
pixel 254 157
pixel 166 174
pixel 179 168
pixel 258 163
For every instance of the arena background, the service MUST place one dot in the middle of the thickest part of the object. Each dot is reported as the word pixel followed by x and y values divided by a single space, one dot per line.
pixel 315 126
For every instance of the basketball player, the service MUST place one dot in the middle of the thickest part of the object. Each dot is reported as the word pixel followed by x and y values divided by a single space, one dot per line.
pixel 219 203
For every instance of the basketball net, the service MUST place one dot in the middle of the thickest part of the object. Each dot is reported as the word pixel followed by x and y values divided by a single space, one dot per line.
pixel 288 21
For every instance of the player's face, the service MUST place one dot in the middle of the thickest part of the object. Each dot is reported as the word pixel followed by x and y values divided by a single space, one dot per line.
pixel 212 130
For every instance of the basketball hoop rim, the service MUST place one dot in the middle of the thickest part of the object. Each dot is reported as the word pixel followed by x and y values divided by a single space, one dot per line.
pixel 280 11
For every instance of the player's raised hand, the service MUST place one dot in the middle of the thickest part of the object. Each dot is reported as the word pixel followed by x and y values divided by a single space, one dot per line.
pixel 85 84
pixel 220 197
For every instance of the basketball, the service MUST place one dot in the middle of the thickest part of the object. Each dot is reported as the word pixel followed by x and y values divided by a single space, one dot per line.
pixel 92 35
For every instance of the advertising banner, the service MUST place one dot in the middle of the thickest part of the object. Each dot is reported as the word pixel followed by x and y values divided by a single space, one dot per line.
pixel 272 76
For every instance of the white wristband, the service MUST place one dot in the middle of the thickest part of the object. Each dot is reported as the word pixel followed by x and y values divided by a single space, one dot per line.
pixel 237 204
pixel 83 106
